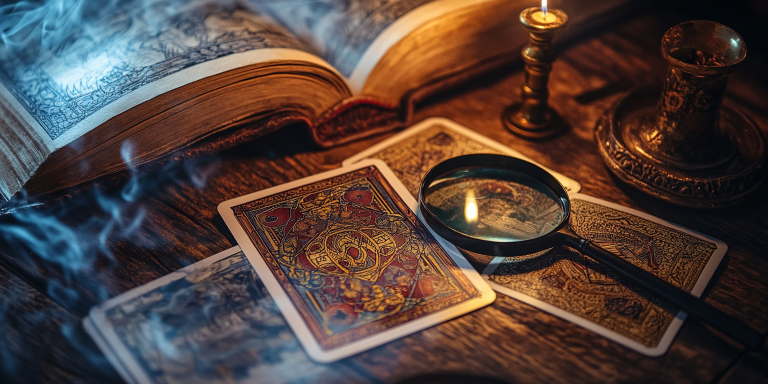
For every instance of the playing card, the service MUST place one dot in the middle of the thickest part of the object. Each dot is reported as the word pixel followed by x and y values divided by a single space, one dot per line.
pixel 412 153
pixel 211 322
pixel 571 286
pixel 349 263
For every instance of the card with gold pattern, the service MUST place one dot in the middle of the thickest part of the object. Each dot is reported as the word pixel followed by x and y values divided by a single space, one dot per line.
pixel 414 151
pixel 349 263
pixel 569 285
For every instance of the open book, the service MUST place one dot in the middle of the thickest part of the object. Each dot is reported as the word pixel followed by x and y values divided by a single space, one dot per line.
pixel 77 83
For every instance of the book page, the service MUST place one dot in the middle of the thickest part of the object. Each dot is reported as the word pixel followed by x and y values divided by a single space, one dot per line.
pixel 73 69
pixel 353 35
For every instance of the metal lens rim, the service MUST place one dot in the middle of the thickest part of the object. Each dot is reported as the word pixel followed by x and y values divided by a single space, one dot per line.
pixel 488 247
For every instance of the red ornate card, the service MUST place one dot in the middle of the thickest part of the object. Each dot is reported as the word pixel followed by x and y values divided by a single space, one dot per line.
pixel 353 259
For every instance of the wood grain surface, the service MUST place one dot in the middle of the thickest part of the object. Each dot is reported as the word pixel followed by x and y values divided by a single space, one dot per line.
pixel 125 233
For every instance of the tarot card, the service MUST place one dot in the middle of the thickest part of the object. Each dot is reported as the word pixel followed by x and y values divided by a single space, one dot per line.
pixel 212 322
pixel 571 286
pixel 412 153
pixel 349 263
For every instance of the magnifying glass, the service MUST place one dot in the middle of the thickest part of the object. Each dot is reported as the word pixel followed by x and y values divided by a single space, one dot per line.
pixel 501 205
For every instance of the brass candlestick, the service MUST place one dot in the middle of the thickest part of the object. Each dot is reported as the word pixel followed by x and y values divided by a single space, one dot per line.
pixel 685 147
pixel 533 118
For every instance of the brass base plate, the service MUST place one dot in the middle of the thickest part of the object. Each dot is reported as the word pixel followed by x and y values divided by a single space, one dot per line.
pixel 714 187
pixel 552 125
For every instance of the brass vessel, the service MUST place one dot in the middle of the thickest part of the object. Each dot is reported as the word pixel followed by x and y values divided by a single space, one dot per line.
pixel 687 147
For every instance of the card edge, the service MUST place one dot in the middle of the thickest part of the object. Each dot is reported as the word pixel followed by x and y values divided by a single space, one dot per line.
pixel 92 330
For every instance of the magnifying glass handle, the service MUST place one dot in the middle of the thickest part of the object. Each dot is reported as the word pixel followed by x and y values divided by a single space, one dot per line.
pixel 684 300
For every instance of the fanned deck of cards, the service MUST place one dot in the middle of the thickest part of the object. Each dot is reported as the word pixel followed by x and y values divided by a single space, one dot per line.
pixel 340 262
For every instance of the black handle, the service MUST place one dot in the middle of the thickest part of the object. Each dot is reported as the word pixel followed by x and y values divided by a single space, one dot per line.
pixel 675 295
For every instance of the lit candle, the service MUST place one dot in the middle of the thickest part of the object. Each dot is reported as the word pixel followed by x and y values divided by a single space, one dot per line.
pixel 533 118
pixel 542 16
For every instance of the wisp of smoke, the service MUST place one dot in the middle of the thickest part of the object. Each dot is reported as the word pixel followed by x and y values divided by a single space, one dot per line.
pixel 80 253
pixel 52 22
pixel 54 25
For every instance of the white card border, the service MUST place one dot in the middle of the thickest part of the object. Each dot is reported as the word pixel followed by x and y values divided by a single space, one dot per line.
pixel 102 332
pixel 677 321
pixel 291 314
pixel 572 186
pixel 103 345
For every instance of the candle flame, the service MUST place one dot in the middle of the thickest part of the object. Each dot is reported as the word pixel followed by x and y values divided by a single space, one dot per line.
pixel 470 209
pixel 544 7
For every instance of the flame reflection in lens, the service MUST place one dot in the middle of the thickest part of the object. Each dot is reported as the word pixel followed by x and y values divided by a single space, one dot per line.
pixel 470 209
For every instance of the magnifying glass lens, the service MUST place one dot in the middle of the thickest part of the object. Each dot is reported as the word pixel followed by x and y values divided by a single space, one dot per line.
pixel 494 204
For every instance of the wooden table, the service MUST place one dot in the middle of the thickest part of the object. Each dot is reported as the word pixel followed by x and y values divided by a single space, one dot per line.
pixel 42 300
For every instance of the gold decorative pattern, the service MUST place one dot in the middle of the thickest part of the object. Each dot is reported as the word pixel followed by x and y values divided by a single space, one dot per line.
pixel 572 282
pixel 352 257
pixel 411 158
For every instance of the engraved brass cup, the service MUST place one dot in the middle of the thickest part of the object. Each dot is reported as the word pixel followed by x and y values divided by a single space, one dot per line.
pixel 688 148
pixel 686 132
